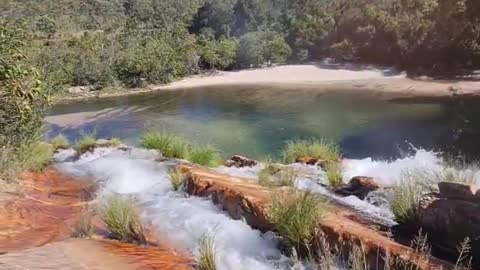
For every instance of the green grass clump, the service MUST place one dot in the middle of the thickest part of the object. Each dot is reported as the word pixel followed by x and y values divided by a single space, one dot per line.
pixel 37 156
pixel 206 256
pixel 60 142
pixel 310 148
pixel 334 174
pixel 115 142
pixel 170 145
pixel 83 228
pixel 177 178
pixel 295 216
pixel 277 178
pixel 204 155
pixel 123 220
pixel 406 196
pixel 86 142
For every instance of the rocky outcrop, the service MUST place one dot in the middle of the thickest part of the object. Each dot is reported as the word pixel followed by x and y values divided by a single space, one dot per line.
pixel 358 186
pixel 240 162
pixel 51 202
pixel 242 198
pixel 450 216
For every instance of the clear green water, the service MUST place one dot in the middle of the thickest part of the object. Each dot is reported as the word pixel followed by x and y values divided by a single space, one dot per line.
pixel 258 121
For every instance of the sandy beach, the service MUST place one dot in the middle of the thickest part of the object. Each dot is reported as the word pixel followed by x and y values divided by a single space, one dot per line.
pixel 349 78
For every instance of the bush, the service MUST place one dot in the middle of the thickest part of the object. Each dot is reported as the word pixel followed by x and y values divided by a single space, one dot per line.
pixel 311 148
pixel 177 178
pixel 295 218
pixel 60 142
pixel 169 145
pixel 204 155
pixel 123 220
pixel 219 54
pixel 334 174
pixel 206 257
pixel 86 142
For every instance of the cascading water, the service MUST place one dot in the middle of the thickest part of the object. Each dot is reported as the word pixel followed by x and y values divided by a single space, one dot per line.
pixel 183 220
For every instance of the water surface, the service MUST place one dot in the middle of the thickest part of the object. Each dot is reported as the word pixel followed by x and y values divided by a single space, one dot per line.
pixel 257 121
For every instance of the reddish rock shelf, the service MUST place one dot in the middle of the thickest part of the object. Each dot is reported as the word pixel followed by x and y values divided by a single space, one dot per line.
pixel 243 198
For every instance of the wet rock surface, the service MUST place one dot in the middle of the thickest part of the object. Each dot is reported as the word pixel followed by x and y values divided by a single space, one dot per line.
pixel 242 198
pixel 240 162
pixel 359 186
pixel 312 161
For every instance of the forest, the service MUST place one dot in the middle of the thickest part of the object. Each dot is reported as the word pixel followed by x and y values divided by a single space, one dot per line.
pixel 132 43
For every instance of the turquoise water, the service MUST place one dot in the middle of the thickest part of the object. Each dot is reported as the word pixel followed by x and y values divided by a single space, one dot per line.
pixel 257 121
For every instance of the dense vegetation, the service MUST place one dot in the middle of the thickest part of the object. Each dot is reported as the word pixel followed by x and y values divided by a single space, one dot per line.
pixel 135 42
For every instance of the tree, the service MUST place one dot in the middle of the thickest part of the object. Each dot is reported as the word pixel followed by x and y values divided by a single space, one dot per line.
pixel 23 100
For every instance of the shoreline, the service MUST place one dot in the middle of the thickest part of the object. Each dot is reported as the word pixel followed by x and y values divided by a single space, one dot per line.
pixel 349 79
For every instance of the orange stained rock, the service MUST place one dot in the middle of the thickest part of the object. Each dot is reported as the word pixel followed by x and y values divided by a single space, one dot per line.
pixel 241 197
pixel 50 203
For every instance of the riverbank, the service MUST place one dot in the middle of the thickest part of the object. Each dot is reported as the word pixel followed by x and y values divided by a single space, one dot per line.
pixel 385 82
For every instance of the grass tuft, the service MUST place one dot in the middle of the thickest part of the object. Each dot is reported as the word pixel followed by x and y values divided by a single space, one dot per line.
pixel 37 156
pixel 334 174
pixel 206 256
pixel 84 228
pixel 204 155
pixel 170 145
pixel 123 220
pixel 115 142
pixel 295 216
pixel 86 142
pixel 406 196
pixel 177 178
pixel 310 148
pixel 60 142
pixel 283 177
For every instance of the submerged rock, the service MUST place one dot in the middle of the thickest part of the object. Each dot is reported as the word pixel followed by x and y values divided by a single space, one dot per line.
pixel 240 162
pixel 358 186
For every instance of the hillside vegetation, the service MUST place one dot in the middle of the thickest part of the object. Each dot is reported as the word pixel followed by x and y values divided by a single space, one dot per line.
pixel 135 42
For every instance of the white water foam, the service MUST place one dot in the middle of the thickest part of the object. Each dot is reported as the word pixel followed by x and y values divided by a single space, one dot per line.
pixel 184 220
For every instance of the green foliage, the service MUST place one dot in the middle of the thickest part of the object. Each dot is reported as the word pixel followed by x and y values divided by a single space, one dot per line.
pixel 296 216
pixel 407 194
pixel 170 145
pixel 311 148
pixel 37 156
pixel 60 142
pixel 334 174
pixel 123 220
pixel 86 142
pixel 219 54
pixel 258 48
pixel 177 178
pixel 204 155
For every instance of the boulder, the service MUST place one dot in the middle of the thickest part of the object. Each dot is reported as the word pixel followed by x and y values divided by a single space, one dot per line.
pixel 459 191
pixel 449 221
pixel 358 186
pixel 240 162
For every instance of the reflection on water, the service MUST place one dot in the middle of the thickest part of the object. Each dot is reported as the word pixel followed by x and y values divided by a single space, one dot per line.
pixel 257 121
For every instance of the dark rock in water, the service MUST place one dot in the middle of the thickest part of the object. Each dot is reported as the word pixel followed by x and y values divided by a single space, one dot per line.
pixel 459 191
pixel 240 162
pixel 449 221
pixel 358 186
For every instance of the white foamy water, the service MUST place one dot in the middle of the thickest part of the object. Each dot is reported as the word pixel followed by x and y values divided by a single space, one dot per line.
pixel 184 220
